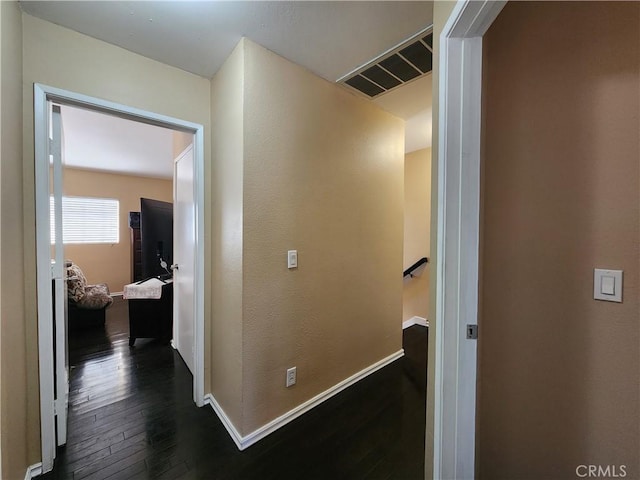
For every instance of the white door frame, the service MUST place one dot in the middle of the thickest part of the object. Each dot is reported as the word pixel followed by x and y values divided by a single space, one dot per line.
pixel 43 94
pixel 460 91
pixel 58 274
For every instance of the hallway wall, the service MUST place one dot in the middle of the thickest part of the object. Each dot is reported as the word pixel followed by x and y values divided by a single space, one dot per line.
pixel 14 362
pixel 300 164
pixel 323 174
pixel 227 140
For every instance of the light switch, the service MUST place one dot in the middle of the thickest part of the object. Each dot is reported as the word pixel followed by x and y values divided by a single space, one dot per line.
pixel 292 259
pixel 607 285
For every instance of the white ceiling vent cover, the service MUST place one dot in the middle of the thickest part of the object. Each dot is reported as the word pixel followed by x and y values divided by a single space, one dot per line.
pixel 403 63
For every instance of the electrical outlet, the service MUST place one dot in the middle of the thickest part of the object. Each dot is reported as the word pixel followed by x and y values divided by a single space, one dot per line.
pixel 291 376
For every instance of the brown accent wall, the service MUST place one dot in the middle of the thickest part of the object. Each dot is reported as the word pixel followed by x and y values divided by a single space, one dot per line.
pixel 13 348
pixel 559 372
pixel 111 263
pixel 417 214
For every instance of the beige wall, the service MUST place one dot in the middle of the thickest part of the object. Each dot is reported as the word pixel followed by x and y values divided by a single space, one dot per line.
pixel 227 97
pixel 106 263
pixel 559 372
pixel 417 215
pixel 13 359
pixel 281 181
pixel 181 140
pixel 441 12
pixel 323 174
pixel 59 57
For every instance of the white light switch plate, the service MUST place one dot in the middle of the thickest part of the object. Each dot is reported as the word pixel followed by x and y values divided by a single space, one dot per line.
pixel 607 285
pixel 292 259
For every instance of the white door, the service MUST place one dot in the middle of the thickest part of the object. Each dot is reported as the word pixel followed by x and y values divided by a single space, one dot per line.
pixel 58 275
pixel 184 248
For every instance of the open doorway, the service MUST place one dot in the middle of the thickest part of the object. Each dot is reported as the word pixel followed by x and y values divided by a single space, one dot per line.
pixel 117 267
pixel 400 82
pixel 413 103
pixel 119 191
pixel 110 165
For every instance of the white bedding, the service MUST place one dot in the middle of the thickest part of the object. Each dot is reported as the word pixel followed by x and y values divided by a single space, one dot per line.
pixel 150 289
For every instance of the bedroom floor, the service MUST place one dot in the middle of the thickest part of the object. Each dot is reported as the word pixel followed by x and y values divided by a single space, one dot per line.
pixel 131 416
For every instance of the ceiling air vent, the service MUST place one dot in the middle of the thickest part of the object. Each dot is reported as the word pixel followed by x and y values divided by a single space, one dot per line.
pixel 403 63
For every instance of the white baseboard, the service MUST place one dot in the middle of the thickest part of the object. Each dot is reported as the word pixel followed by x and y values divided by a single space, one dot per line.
pixel 226 421
pixel 117 294
pixel 257 435
pixel 415 321
pixel 33 471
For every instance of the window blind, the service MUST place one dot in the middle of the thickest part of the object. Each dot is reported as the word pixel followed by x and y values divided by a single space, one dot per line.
pixel 87 220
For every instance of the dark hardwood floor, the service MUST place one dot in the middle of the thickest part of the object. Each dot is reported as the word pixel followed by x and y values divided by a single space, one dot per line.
pixel 131 415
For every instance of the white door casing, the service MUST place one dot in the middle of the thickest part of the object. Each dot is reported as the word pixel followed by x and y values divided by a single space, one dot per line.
pixel 43 281
pixel 460 90
pixel 42 124
pixel 184 257
pixel 58 273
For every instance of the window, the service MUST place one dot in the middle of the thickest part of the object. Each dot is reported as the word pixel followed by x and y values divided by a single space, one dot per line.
pixel 87 220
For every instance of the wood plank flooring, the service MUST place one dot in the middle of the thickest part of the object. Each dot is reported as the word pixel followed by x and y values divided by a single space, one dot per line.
pixel 131 416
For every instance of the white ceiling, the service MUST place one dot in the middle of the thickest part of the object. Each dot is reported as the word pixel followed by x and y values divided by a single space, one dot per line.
pixel 97 141
pixel 330 38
